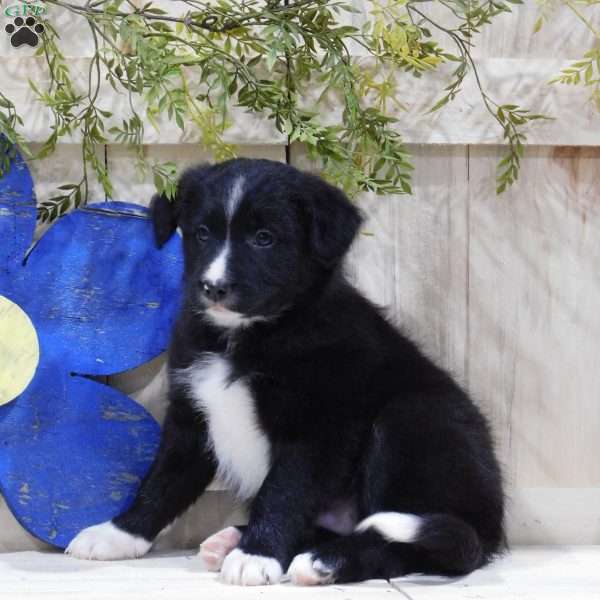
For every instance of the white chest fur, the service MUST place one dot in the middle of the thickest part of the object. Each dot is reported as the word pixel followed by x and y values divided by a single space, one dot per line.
pixel 241 448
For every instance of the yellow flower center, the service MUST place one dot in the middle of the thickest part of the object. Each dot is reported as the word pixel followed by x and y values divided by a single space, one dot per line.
pixel 19 350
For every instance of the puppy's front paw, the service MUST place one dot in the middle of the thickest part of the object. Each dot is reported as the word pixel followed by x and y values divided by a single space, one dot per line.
pixel 240 568
pixel 214 549
pixel 306 570
pixel 107 542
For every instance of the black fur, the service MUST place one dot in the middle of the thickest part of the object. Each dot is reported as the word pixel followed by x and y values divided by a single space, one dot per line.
pixel 351 407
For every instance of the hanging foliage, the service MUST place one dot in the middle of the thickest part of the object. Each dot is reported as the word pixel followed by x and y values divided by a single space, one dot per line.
pixel 196 62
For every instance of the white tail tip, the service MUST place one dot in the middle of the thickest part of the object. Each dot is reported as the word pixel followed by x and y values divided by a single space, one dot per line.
pixel 393 526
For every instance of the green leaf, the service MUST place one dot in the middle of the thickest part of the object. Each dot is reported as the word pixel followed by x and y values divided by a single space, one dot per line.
pixel 439 104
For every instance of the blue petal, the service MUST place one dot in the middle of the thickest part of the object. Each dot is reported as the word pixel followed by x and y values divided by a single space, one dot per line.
pixel 102 295
pixel 17 218
pixel 73 454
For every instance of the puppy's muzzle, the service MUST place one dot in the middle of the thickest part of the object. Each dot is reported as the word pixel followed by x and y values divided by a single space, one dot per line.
pixel 217 291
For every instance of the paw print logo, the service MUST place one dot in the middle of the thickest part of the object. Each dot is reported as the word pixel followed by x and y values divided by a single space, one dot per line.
pixel 94 297
pixel 24 31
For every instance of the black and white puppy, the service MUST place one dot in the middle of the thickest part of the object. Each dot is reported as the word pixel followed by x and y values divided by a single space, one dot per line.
pixel 361 458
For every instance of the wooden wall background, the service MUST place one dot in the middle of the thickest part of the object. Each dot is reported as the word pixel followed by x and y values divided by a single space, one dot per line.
pixel 504 291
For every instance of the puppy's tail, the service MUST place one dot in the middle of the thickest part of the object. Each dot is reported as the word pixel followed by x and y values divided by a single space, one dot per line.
pixel 452 546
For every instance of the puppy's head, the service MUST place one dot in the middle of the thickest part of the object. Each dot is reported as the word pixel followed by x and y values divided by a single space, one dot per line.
pixel 258 236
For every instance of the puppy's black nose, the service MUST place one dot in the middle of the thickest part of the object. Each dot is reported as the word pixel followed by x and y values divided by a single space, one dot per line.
pixel 217 292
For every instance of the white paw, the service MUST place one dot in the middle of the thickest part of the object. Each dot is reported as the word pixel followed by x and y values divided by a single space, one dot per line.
pixel 240 568
pixel 107 542
pixel 214 549
pixel 304 570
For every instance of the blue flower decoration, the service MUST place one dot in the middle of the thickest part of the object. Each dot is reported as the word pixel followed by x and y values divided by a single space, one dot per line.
pixel 94 297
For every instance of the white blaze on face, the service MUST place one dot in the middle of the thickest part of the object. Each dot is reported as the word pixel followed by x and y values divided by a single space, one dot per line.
pixel 217 270
pixel 218 267
pixel 235 195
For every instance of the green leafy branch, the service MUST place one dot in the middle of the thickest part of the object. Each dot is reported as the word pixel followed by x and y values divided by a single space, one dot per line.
pixel 510 117
pixel 10 138
pixel 585 71
pixel 194 65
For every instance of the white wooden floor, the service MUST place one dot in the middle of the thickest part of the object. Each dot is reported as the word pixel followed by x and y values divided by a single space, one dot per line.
pixel 528 573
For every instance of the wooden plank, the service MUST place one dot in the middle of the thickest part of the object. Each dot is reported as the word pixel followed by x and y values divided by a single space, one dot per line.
pixel 554 515
pixel 246 128
pixel 511 35
pixel 464 121
pixel 514 66
pixel 514 63
pixel 411 257
pixel 534 289
pixel 575 120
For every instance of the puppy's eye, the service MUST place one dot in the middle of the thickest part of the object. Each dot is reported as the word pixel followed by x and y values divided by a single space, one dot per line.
pixel 202 233
pixel 263 238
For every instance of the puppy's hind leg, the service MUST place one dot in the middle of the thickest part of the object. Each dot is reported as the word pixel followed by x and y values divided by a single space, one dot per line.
pixel 392 544
pixel 415 523
pixel 355 557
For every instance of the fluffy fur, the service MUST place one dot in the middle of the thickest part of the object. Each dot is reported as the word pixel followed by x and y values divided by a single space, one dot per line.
pixel 360 456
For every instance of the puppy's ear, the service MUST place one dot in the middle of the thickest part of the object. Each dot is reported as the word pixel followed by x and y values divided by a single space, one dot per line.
pixel 165 213
pixel 334 222
pixel 165 216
